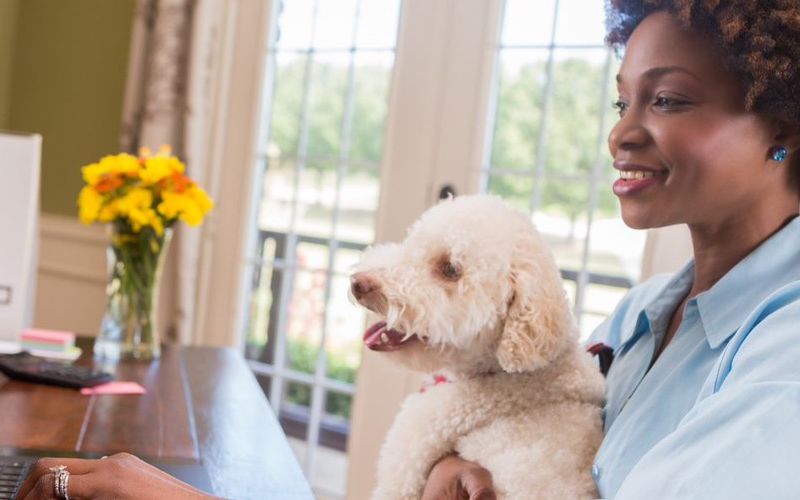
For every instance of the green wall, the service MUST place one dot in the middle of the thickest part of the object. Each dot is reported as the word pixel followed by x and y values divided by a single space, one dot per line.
pixel 8 35
pixel 67 84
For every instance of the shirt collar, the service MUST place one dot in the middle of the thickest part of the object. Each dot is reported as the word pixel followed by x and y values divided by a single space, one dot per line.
pixel 659 309
pixel 771 265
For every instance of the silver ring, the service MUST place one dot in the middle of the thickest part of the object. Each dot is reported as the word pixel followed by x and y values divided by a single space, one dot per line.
pixel 60 481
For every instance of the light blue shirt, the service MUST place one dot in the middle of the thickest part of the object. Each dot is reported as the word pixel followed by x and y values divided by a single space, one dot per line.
pixel 718 414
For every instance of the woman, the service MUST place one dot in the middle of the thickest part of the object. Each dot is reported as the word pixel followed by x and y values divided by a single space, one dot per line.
pixel 704 394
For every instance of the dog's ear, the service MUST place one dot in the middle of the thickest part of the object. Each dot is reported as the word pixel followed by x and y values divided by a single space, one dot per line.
pixel 539 322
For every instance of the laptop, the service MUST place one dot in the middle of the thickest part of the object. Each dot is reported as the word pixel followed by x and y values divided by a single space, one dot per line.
pixel 14 468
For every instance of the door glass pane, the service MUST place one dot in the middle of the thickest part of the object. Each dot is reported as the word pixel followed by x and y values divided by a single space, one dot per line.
pixel 325 101
pixel 580 22
pixel 519 108
pixel 528 22
pixel 378 24
pixel 549 155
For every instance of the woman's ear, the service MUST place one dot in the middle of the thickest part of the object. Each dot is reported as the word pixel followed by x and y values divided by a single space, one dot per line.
pixel 539 322
pixel 787 135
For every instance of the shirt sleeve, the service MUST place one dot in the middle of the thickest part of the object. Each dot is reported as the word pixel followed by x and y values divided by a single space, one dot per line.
pixel 742 440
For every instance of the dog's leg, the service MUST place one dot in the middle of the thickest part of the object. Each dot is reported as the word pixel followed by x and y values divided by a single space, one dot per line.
pixel 419 436
pixel 543 455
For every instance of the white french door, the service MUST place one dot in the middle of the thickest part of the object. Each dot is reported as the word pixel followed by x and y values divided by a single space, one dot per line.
pixel 345 119
pixel 513 98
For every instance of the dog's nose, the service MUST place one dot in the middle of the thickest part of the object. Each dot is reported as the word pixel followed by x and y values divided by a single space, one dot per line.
pixel 361 284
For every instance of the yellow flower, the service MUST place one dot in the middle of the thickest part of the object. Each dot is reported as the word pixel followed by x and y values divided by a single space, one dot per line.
pixel 135 199
pixel 172 204
pixel 204 202
pixel 150 190
pixel 113 165
pixel 190 206
pixel 136 206
pixel 108 212
pixel 156 222
pixel 89 204
pixel 122 163
pixel 143 218
pixel 158 168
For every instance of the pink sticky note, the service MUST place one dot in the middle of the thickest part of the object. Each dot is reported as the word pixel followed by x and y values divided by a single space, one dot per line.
pixel 114 388
pixel 48 336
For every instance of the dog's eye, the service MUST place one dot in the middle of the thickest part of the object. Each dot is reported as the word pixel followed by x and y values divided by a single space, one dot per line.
pixel 451 271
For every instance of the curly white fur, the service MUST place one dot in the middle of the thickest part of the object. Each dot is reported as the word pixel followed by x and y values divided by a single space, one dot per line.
pixel 526 401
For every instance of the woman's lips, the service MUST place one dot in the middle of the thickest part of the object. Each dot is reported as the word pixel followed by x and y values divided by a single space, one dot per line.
pixel 636 177
pixel 628 187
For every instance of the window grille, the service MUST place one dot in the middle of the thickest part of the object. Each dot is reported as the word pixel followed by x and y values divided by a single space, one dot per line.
pixel 551 113
pixel 321 133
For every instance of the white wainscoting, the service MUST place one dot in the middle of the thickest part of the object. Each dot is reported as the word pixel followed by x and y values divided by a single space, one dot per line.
pixel 70 289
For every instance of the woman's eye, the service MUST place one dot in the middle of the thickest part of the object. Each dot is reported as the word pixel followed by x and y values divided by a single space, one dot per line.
pixel 667 102
pixel 620 106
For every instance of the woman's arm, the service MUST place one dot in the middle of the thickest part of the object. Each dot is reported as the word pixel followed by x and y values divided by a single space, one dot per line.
pixel 741 438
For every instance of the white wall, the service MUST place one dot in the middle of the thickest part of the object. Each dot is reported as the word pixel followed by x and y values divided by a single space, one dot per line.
pixel 666 250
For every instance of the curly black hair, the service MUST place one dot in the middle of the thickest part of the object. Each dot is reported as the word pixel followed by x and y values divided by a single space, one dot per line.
pixel 759 40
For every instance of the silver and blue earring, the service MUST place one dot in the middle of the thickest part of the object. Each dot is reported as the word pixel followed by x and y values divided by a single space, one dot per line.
pixel 779 153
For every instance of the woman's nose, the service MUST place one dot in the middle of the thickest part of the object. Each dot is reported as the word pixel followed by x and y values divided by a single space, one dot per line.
pixel 627 134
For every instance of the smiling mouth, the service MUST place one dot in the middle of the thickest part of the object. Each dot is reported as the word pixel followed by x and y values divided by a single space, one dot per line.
pixel 638 174
pixel 633 181
pixel 379 338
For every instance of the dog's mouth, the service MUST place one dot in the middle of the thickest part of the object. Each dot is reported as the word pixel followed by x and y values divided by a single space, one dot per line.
pixel 379 338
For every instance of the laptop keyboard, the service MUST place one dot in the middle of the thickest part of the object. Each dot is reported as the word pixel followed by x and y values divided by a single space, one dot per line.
pixel 13 470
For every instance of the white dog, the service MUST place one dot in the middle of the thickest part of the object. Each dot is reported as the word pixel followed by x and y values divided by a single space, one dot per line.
pixel 474 292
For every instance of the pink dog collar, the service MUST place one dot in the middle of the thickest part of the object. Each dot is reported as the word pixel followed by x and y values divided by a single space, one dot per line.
pixel 434 381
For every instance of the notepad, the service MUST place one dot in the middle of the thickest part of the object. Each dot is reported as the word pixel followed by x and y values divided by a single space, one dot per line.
pixel 55 344
pixel 54 339
pixel 119 388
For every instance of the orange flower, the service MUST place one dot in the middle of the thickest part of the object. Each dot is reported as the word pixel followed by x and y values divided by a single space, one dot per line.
pixel 180 183
pixel 108 183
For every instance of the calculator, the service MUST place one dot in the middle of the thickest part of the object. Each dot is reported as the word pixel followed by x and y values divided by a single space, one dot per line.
pixel 30 368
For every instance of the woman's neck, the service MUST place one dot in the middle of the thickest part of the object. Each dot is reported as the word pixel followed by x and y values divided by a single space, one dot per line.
pixel 719 247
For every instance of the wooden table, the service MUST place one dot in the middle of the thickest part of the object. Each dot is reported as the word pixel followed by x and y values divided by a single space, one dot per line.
pixel 202 405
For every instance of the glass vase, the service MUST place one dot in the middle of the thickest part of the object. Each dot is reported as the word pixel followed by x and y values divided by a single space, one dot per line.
pixel 129 330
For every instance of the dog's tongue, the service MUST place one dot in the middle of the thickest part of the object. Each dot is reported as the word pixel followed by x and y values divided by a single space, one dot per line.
pixel 374 337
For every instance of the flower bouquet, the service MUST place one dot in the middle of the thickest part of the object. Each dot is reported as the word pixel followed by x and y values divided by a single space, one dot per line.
pixel 141 198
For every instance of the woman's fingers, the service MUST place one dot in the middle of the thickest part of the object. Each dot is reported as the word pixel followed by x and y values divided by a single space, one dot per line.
pixel 78 486
pixel 453 478
pixel 39 488
pixel 41 470
pixel 477 484
pixel 118 476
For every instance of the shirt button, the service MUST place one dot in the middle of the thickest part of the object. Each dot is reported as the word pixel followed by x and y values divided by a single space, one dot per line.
pixel 595 472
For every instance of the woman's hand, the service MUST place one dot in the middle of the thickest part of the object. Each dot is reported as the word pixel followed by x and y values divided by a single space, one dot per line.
pixel 121 476
pixel 453 478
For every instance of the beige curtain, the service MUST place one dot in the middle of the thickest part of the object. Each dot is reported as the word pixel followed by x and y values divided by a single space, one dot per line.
pixel 174 71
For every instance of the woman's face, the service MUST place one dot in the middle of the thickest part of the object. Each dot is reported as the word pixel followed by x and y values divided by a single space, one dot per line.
pixel 686 149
